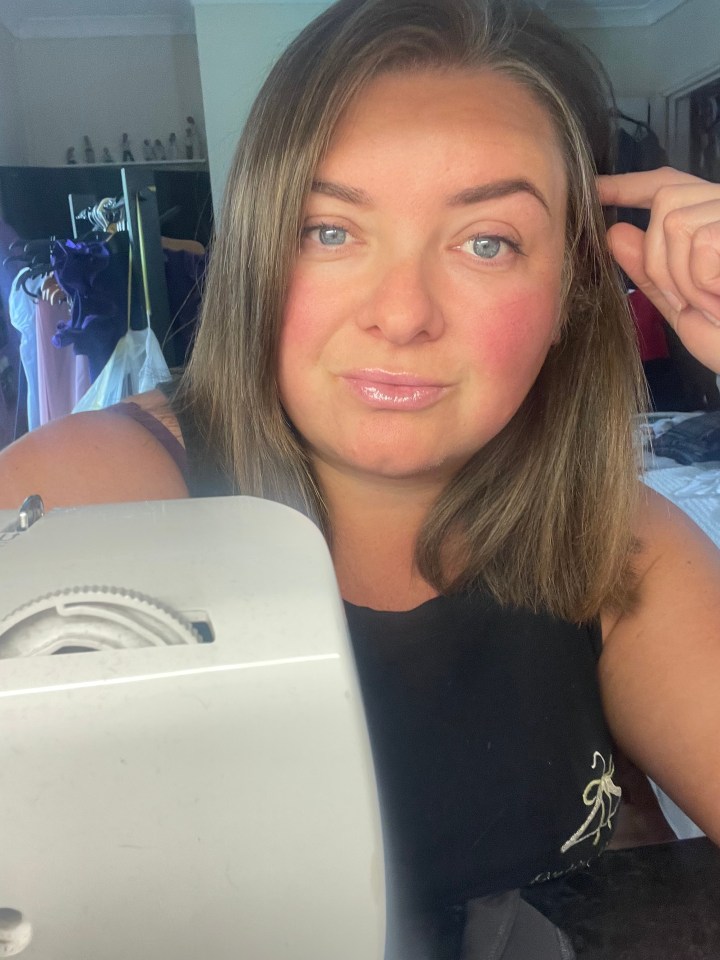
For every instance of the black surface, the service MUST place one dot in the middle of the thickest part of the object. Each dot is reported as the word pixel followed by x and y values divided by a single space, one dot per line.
pixel 34 200
pixel 647 903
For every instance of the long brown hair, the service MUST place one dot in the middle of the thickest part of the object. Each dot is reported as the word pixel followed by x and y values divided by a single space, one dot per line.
pixel 542 514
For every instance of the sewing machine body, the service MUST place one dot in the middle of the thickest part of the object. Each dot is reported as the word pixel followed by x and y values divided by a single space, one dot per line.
pixel 208 800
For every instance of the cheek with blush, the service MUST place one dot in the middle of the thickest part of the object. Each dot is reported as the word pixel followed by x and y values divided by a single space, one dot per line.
pixel 300 322
pixel 520 332
pixel 313 313
pixel 310 320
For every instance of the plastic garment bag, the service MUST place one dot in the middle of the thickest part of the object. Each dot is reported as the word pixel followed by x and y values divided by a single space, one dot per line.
pixel 137 364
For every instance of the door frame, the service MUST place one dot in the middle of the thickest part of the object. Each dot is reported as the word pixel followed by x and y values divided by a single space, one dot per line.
pixel 677 113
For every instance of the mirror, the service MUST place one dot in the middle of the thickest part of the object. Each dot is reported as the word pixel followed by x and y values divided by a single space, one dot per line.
pixel 88 88
pixel 86 85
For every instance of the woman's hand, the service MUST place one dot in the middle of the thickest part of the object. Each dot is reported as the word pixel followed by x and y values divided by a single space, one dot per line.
pixel 676 263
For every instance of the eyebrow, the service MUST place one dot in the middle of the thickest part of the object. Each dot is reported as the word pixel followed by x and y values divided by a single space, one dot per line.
pixel 478 194
pixel 342 192
pixel 498 188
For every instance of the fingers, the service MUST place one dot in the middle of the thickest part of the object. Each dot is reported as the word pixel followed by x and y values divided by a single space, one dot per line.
pixel 705 262
pixel 699 337
pixel 681 248
pixel 640 189
pixel 677 261
pixel 627 245
pixel 692 241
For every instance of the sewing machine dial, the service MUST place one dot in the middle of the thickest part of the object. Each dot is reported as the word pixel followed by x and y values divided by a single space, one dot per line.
pixel 82 619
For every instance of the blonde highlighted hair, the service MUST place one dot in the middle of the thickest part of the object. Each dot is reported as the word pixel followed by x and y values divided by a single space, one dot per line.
pixel 542 514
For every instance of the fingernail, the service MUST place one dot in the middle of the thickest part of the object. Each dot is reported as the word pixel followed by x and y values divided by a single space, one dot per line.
pixel 673 301
pixel 713 320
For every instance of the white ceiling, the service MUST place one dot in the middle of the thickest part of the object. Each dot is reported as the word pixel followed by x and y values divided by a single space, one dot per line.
pixel 68 18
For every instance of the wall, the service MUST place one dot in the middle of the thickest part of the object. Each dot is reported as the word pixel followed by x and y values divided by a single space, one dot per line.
pixel 238 42
pixel 647 61
pixel 12 145
pixel 104 86
pixel 237 45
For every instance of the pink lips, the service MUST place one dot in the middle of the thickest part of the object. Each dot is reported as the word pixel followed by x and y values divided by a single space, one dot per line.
pixel 393 391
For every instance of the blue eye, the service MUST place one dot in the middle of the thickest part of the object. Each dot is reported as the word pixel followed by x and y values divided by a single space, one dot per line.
pixel 331 236
pixel 328 235
pixel 486 247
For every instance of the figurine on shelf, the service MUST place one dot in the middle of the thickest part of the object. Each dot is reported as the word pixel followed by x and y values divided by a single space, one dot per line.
pixel 159 150
pixel 70 156
pixel 127 156
pixel 172 150
pixel 189 143
pixel 89 152
pixel 107 157
pixel 147 151
pixel 198 152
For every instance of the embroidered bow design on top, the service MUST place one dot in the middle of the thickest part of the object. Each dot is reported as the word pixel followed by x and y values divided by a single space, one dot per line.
pixel 604 797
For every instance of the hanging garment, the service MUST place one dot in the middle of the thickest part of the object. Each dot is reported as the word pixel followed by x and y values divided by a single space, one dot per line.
pixel 8 271
pixel 63 376
pixel 649 326
pixel 94 276
pixel 95 282
pixel 12 420
pixel 22 317
pixel 9 366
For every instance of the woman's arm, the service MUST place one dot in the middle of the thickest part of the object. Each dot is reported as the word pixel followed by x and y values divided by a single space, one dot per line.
pixel 660 666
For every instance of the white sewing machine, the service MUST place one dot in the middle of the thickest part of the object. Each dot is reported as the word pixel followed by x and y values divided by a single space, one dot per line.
pixel 200 785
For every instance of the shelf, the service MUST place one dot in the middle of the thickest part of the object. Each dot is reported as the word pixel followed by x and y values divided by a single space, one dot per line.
pixel 161 164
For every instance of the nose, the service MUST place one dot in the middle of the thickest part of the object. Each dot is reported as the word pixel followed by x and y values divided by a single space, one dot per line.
pixel 403 306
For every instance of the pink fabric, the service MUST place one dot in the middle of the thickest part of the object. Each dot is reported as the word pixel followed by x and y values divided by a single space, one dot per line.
pixel 62 377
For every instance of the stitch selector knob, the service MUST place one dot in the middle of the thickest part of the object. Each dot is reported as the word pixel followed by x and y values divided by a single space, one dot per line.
pixel 82 619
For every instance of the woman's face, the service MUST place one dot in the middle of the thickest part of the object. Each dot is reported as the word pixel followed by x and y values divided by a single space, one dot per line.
pixel 426 293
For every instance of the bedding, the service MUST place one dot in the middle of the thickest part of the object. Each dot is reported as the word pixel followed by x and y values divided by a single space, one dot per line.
pixel 694 487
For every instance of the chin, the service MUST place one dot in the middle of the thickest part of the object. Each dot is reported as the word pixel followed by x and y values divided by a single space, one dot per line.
pixel 394 464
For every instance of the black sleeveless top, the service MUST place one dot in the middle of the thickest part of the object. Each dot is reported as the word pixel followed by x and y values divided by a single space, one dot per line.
pixel 493 759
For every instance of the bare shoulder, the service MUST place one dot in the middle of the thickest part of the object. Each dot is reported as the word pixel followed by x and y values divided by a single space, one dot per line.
pixel 98 457
pixel 660 523
pixel 674 553
pixel 675 559
pixel 678 568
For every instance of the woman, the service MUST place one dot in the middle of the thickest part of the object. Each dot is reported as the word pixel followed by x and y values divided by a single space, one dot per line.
pixel 413 331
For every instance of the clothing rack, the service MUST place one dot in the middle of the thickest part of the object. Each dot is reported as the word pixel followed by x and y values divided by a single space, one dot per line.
pixel 142 220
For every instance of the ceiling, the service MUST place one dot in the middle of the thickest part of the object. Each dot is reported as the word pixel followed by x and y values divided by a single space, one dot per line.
pixel 608 13
pixel 82 18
